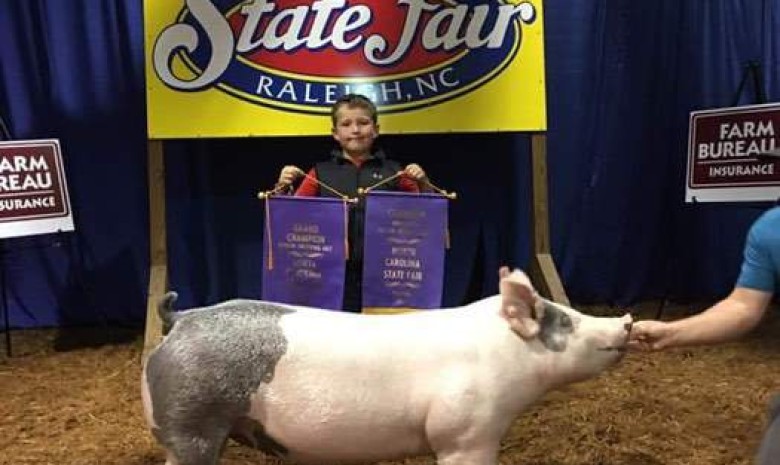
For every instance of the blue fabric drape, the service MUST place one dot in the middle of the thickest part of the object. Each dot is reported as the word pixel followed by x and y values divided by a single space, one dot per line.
pixel 73 70
pixel 622 77
pixel 620 91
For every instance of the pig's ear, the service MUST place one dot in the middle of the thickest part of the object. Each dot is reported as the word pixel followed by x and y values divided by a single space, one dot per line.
pixel 503 272
pixel 520 304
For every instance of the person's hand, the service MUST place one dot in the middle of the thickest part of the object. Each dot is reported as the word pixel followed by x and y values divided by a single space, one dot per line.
pixel 415 172
pixel 288 175
pixel 650 335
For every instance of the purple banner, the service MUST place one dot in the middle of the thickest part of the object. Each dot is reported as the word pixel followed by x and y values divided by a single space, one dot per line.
pixel 304 251
pixel 405 241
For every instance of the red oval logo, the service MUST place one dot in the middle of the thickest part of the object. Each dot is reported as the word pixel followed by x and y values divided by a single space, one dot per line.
pixel 300 20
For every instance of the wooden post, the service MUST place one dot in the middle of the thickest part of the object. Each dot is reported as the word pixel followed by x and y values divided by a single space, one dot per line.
pixel 543 271
pixel 158 249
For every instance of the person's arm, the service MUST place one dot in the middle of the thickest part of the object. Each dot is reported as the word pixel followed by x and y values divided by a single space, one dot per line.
pixel 733 316
pixel 729 319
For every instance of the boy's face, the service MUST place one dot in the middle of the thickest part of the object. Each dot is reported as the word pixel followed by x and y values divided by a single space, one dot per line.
pixel 355 131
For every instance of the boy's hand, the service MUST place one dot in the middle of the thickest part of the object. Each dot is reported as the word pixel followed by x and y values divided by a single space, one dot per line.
pixel 650 335
pixel 415 172
pixel 289 174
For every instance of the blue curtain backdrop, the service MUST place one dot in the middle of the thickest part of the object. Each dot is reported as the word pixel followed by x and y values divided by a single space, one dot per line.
pixel 622 77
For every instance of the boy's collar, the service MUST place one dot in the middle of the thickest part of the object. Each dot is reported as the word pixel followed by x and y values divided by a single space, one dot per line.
pixel 376 154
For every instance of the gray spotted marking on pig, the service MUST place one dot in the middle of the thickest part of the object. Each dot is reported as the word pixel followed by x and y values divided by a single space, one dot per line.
pixel 554 327
pixel 214 353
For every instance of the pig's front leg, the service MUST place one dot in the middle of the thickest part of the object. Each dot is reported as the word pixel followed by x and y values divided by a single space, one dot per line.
pixel 462 444
pixel 472 444
pixel 460 436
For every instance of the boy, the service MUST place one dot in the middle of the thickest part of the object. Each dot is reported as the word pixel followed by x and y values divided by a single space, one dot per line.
pixel 355 164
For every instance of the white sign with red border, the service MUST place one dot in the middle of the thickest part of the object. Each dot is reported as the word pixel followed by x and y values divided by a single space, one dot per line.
pixel 33 190
pixel 734 154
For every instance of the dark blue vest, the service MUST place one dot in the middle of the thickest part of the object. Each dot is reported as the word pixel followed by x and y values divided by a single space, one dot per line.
pixel 343 176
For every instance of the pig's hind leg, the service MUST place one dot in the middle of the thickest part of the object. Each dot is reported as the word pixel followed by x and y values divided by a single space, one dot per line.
pixel 190 446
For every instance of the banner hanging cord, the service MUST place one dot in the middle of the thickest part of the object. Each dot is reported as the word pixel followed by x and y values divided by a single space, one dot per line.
pixel 327 187
pixel 401 173
pixel 282 188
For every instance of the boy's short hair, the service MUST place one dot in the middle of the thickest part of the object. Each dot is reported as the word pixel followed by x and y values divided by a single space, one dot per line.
pixel 353 100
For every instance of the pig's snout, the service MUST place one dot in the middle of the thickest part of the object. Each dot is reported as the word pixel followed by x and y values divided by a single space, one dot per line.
pixel 619 339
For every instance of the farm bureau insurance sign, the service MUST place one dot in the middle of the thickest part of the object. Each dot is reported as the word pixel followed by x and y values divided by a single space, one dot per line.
pixel 33 192
pixel 226 68
pixel 725 154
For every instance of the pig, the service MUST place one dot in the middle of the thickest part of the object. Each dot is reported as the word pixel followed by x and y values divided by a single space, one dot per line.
pixel 319 387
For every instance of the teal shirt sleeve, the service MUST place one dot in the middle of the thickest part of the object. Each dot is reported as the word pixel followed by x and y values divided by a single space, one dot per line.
pixel 761 262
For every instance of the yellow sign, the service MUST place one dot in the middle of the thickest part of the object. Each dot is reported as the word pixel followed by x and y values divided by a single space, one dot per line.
pixel 233 68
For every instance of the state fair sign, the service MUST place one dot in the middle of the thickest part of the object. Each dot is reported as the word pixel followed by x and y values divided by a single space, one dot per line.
pixel 232 68
pixel 733 154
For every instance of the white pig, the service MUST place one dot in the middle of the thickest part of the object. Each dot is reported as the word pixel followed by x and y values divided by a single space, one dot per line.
pixel 320 387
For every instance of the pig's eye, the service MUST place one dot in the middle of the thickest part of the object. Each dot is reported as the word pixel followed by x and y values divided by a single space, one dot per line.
pixel 566 322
